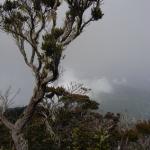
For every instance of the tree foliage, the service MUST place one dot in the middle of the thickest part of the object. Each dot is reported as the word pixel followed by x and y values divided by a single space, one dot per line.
pixel 33 24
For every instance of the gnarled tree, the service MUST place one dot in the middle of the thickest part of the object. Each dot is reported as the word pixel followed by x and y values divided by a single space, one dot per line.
pixel 33 24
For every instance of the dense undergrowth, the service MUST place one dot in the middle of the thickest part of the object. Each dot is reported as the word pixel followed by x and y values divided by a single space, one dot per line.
pixel 79 130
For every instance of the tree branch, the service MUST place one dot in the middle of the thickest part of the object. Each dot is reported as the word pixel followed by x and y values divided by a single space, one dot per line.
pixel 7 123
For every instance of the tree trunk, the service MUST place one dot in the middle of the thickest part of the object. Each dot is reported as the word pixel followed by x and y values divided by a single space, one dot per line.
pixel 17 132
pixel 19 141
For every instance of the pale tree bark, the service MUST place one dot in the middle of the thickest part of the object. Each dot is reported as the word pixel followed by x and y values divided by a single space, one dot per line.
pixel 16 129
pixel 17 133
pixel 20 142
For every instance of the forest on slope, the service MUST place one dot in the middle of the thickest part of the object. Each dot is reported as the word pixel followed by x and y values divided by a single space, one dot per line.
pixel 78 129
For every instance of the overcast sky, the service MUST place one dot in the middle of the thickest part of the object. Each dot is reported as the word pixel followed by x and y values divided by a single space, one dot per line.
pixel 114 50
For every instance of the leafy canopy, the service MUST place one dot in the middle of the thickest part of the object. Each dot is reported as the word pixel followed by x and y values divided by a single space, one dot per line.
pixel 35 23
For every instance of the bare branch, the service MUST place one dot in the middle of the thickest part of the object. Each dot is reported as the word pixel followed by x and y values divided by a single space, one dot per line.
pixel 32 57
pixel 5 101
pixel 7 123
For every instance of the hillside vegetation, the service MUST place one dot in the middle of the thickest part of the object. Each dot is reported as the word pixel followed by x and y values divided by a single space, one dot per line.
pixel 78 129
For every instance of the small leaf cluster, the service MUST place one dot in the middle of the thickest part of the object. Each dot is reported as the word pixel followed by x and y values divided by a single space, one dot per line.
pixel 49 45
pixel 96 13
pixel 78 8
pixel 16 19
pixel 59 91
pixel 12 19
pixel 50 3
pixel 10 5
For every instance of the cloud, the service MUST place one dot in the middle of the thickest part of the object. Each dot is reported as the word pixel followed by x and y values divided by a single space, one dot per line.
pixel 121 81
pixel 67 77
pixel 96 85
pixel 100 85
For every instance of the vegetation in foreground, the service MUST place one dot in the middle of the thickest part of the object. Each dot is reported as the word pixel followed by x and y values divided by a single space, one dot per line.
pixel 74 124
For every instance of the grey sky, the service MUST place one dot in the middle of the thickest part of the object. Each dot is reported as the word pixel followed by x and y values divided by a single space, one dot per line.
pixel 116 46
pixel 115 50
